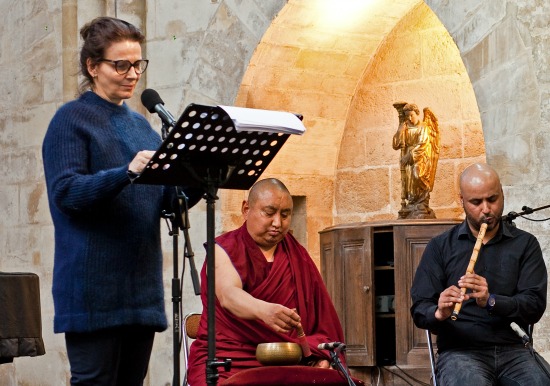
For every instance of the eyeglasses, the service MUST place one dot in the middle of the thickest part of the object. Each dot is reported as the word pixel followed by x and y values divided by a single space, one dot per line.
pixel 123 66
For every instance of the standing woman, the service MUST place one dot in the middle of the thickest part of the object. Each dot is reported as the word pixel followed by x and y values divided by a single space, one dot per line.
pixel 107 281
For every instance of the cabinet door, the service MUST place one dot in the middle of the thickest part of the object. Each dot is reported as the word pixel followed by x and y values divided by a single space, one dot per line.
pixel 347 271
pixel 409 243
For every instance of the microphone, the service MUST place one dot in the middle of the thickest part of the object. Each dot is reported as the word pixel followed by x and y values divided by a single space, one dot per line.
pixel 154 103
pixel 331 346
pixel 519 331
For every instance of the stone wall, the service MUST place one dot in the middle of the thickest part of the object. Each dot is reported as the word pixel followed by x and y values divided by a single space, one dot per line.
pixel 199 52
pixel 279 55
pixel 312 60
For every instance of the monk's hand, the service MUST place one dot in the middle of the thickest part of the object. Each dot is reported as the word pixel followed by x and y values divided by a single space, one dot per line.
pixel 322 363
pixel 280 318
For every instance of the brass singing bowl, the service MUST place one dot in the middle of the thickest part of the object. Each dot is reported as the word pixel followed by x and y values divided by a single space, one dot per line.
pixel 279 353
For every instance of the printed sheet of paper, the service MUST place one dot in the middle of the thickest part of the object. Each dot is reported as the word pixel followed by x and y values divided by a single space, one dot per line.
pixel 264 120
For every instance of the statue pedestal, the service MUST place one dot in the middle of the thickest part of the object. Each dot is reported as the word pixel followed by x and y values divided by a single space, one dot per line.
pixel 415 212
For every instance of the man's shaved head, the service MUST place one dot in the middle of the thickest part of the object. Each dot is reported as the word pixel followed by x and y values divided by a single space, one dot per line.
pixel 477 174
pixel 482 197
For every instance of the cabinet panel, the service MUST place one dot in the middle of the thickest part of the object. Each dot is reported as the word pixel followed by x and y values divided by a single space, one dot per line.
pixel 368 269
pixel 350 285
pixel 410 242
pixel 329 270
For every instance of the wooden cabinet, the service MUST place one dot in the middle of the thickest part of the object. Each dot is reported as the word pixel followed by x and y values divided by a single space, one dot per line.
pixel 368 269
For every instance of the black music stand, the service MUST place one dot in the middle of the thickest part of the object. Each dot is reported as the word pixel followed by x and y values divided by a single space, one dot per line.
pixel 205 149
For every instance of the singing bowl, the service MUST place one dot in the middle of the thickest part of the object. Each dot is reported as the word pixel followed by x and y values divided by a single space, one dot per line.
pixel 279 353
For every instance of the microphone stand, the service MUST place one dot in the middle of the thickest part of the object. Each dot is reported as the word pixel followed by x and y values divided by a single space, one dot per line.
pixel 528 343
pixel 176 295
pixel 179 219
pixel 540 360
pixel 511 216
pixel 188 251
pixel 338 363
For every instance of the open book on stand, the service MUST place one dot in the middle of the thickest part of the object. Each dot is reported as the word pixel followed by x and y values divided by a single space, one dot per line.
pixel 246 119
pixel 232 145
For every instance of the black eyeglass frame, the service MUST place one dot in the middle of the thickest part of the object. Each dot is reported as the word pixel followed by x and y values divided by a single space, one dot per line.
pixel 135 65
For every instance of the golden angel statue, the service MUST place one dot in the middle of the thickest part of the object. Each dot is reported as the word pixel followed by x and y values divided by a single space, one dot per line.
pixel 419 144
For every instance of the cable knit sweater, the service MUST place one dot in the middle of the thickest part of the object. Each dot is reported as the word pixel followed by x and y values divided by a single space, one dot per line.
pixel 108 260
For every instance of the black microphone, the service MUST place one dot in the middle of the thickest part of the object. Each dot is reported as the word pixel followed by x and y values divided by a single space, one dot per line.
pixel 153 102
pixel 331 346
pixel 518 330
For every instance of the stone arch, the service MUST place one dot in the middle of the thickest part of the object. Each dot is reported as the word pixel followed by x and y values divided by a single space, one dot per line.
pixel 417 62
pixel 305 64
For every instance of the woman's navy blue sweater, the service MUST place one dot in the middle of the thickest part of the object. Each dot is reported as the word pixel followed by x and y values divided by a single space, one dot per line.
pixel 108 259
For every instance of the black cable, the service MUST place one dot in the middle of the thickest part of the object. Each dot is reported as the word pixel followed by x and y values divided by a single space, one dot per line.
pixel 540 361
pixel 534 219
pixel 340 367
pixel 181 292
pixel 511 216
pixel 397 375
pixel 345 376
pixel 378 376
pixel 413 378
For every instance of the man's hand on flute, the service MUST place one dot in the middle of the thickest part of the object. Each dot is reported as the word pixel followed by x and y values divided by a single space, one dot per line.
pixel 447 301
pixel 478 287
pixel 479 291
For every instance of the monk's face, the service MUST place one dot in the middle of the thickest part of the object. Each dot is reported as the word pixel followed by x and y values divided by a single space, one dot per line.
pixel 268 216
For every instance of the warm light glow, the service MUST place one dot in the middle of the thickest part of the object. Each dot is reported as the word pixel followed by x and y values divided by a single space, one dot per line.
pixel 343 14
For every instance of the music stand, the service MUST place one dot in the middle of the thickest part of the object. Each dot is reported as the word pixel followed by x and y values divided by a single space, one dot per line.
pixel 205 149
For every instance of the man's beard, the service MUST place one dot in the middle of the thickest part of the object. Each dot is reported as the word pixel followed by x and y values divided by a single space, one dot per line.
pixel 476 223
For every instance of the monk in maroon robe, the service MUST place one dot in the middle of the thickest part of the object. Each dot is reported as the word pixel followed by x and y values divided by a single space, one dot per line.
pixel 266 285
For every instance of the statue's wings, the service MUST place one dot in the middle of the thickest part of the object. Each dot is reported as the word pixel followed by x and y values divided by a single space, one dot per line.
pixel 430 121
pixel 432 126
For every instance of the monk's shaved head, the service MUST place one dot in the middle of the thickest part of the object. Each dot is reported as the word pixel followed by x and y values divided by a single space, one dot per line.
pixel 268 213
pixel 261 186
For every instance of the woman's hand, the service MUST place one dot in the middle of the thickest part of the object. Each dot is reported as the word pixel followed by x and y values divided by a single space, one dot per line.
pixel 140 161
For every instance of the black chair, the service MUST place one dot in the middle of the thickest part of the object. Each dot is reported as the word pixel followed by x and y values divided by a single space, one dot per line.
pixel 432 355
pixel 190 328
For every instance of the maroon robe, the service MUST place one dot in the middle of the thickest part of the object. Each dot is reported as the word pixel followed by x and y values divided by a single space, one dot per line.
pixel 292 280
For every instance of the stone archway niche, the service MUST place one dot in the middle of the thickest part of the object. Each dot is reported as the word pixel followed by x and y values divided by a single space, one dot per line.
pixel 344 79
